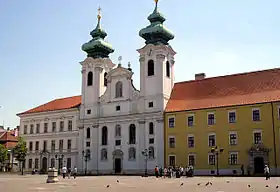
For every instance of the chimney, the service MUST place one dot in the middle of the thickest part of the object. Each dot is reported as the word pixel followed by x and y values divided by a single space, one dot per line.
pixel 200 76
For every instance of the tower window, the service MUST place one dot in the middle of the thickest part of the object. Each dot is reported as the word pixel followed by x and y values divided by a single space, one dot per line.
pixel 89 78
pixel 151 68
pixel 118 108
pixel 132 134
pixel 167 69
pixel 104 139
pixel 88 111
pixel 105 79
pixel 88 133
pixel 151 104
pixel 119 88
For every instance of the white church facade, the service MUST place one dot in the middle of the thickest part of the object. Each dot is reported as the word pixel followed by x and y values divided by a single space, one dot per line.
pixel 107 128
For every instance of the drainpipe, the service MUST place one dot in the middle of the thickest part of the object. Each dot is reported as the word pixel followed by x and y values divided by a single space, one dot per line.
pixel 274 140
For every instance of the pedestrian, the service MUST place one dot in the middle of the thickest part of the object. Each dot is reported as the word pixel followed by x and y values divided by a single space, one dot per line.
pixel 75 172
pixel 64 171
pixel 242 170
pixel 156 171
pixel 69 172
pixel 266 172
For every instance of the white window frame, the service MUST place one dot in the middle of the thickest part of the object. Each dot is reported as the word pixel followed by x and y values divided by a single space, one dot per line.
pixel 170 137
pixel 169 159
pixel 210 134
pixel 229 158
pixel 255 109
pixel 190 115
pixel 232 111
pixel 190 135
pixel 192 154
pixel 232 132
pixel 211 113
pixel 257 131
pixel 170 117
pixel 215 159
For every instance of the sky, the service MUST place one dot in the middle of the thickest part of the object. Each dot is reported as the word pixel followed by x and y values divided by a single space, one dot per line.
pixel 40 42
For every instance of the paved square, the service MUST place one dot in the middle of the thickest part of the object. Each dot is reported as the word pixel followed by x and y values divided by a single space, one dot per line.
pixel 15 183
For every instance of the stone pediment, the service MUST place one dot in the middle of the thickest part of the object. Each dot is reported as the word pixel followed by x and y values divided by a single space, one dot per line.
pixel 119 72
pixel 99 62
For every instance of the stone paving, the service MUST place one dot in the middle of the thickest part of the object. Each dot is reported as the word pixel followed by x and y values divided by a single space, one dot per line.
pixel 30 183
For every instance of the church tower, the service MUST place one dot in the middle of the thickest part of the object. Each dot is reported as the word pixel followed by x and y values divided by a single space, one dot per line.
pixel 94 70
pixel 156 63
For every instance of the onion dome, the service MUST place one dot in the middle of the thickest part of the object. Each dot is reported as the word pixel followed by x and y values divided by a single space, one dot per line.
pixel 156 33
pixel 97 47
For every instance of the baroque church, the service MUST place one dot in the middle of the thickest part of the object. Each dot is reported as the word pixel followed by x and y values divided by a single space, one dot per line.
pixel 112 128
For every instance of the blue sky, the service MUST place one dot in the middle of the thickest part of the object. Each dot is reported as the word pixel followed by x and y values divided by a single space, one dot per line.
pixel 40 42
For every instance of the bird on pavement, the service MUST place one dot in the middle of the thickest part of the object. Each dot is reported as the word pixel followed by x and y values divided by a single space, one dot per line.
pixel 108 186
pixel 249 185
pixel 182 184
pixel 207 183
pixel 277 187
pixel 118 181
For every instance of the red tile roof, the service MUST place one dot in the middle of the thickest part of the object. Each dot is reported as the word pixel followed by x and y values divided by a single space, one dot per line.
pixel 8 139
pixel 57 104
pixel 237 89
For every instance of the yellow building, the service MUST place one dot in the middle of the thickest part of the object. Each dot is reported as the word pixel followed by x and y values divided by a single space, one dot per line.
pixel 237 113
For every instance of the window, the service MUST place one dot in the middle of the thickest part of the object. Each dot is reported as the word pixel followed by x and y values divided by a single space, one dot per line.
pixel 37 146
pixel 88 144
pixel 171 122
pixel 191 141
pixel 232 117
pixel 257 137
pixel 118 131
pixel 45 146
pixel 61 128
pixel 211 140
pixel 89 78
pixel 190 120
pixel 103 154
pixel 45 127
pixel 53 162
pixel 191 159
pixel 118 108
pixel 30 146
pixel 233 158
pixel 119 89
pixel 151 152
pixel 233 139
pixel 70 125
pixel 68 163
pixel 256 115
pixel 53 146
pixel 30 163
pixel 104 136
pixel 60 145
pixel 211 159
pixel 278 112
pixel 132 134
pixel 151 128
pixel 69 145
pixel 167 69
pixel 151 104
pixel 88 133
pixel 36 163
pixel 151 141
pixel 172 160
pixel 105 79
pixel 31 129
pixel 211 119
pixel 88 111
pixel 151 68
pixel 171 142
pixel 118 142
pixel 38 128
pixel 131 153
pixel 53 126
pixel 25 129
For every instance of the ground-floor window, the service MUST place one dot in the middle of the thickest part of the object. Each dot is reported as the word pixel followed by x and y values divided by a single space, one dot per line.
pixel 211 159
pixel 233 158
pixel 30 164
pixel 36 163
pixel 191 160
pixel 52 162
pixel 172 160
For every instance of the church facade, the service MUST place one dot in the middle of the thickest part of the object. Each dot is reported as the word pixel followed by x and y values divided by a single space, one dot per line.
pixel 116 128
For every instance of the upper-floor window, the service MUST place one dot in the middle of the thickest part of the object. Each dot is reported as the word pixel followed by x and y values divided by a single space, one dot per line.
pixel 119 89
pixel 190 141
pixel 53 145
pixel 118 131
pixel 31 129
pixel 30 146
pixel 104 139
pixel 151 68
pixel 211 118
pixel 257 137
pixel 61 127
pixel 53 126
pixel 211 140
pixel 89 78
pixel 171 142
pixel 60 145
pixel 46 127
pixel 256 115
pixel 167 69
pixel 171 122
pixel 25 129
pixel 151 128
pixel 69 145
pixel 132 134
pixel 105 79
pixel 37 128
pixel 45 145
pixel 88 133
pixel 233 139
pixel 231 116
pixel 70 125
pixel 190 120
pixel 37 146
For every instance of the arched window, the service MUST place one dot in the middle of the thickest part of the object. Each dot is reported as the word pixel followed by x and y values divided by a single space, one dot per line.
pixel 89 78
pixel 105 79
pixel 88 133
pixel 151 153
pixel 118 131
pixel 119 89
pixel 151 128
pixel 151 68
pixel 104 136
pixel 104 154
pixel 132 134
pixel 167 69
pixel 131 153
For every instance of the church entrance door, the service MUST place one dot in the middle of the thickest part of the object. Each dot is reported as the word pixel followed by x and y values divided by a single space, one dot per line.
pixel 259 165
pixel 118 165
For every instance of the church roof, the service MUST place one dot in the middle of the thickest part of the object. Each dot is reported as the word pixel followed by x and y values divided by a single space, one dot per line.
pixel 230 90
pixel 57 104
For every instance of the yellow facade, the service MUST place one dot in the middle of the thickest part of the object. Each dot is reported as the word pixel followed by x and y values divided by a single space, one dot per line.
pixel 244 145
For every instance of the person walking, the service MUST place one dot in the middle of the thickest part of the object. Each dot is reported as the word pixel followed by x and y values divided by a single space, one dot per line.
pixel 64 171
pixel 69 172
pixel 75 170
pixel 266 172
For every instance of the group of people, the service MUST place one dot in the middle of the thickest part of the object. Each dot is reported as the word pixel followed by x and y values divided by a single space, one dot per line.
pixel 171 172
pixel 68 172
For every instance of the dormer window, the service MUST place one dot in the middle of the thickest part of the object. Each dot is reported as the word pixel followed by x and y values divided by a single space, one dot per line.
pixel 89 78
pixel 151 68
pixel 105 79
pixel 119 89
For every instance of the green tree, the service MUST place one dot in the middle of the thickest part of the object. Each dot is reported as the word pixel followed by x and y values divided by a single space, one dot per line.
pixel 3 154
pixel 20 152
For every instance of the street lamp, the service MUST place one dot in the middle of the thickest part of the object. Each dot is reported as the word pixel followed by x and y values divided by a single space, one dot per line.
pixel 59 158
pixel 86 156
pixel 217 151
pixel 145 153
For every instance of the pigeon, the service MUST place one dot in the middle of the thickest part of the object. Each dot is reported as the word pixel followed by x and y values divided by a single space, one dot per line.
pixel 207 183
pixel 182 184
pixel 277 187
pixel 249 185
pixel 198 183
pixel 108 186
pixel 117 181
pixel 227 181
pixel 266 186
pixel 211 183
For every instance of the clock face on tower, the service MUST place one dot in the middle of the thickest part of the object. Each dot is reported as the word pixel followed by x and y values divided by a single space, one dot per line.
pixel 150 52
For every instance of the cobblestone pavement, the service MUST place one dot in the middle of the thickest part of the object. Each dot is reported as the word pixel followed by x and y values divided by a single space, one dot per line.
pixel 17 183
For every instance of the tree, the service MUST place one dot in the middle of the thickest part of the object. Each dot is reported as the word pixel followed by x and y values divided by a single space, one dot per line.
pixel 3 154
pixel 20 152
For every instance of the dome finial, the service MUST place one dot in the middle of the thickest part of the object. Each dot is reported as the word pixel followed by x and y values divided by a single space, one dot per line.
pixel 99 14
